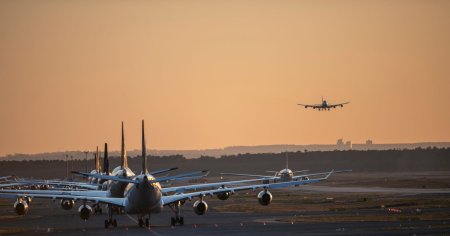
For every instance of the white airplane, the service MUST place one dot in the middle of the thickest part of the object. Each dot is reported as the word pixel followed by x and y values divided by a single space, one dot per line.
pixel 284 175
pixel 145 196
pixel 324 105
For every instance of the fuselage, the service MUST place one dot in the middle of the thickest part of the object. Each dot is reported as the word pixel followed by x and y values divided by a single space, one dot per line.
pixel 117 189
pixel 285 175
pixel 143 198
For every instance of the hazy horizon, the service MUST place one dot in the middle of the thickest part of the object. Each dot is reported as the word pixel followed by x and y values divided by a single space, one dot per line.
pixel 211 74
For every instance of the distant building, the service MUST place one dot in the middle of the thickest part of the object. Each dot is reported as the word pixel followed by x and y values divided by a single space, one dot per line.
pixel 369 142
pixel 348 145
pixel 340 142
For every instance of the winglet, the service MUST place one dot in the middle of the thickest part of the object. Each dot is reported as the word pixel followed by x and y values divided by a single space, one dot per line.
pixel 328 175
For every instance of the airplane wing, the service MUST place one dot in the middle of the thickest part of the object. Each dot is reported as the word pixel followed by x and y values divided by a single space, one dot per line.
pixel 338 105
pixel 180 197
pixel 134 181
pixel 248 175
pixel 90 193
pixel 297 177
pixel 156 172
pixel 195 187
pixel 107 200
pixel 310 105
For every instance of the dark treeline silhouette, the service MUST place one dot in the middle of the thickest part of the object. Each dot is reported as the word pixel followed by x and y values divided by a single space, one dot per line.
pixel 430 159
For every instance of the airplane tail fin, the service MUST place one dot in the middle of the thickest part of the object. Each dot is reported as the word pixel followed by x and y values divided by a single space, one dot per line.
pixel 124 163
pixel 106 161
pixel 144 152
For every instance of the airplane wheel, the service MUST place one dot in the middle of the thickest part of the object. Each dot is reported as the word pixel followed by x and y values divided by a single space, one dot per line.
pixel 181 221
pixel 147 223
pixel 141 223
pixel 114 223
pixel 106 224
pixel 172 221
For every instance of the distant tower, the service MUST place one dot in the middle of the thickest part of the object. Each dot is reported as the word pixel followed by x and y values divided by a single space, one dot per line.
pixel 340 142
pixel 369 142
pixel 348 144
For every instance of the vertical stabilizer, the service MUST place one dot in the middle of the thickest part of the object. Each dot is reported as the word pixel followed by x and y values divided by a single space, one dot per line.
pixel 106 161
pixel 123 152
pixel 144 152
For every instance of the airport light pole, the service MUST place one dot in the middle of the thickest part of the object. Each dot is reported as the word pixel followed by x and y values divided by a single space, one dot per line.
pixel 67 166
pixel 71 168
pixel 86 152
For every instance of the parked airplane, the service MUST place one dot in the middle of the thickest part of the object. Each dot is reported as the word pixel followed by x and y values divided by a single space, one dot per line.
pixel 324 105
pixel 144 195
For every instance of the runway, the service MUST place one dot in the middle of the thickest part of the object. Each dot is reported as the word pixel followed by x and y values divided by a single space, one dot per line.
pixel 46 217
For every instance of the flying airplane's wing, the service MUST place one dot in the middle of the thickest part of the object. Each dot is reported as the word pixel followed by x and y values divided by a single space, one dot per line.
pixel 338 105
pixel 311 105
pixel 180 197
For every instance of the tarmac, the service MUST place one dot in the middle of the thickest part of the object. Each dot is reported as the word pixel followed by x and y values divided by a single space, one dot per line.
pixel 46 217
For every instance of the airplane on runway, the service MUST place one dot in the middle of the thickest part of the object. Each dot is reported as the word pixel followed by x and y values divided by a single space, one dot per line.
pixel 145 196
pixel 324 105
pixel 284 175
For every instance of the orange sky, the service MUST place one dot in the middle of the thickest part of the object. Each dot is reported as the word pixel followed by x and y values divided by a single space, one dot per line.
pixel 208 74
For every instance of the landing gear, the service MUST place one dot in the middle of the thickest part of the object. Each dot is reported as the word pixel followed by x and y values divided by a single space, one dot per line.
pixel 97 209
pixel 176 208
pixel 110 220
pixel 175 220
pixel 141 221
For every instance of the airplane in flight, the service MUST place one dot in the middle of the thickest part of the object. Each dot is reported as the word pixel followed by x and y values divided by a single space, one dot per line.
pixel 144 194
pixel 324 105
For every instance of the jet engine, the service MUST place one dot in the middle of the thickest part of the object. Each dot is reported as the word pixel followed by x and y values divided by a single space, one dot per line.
pixel 27 199
pixel 223 196
pixel 67 204
pixel 264 198
pixel 21 207
pixel 200 207
pixel 44 187
pixel 85 212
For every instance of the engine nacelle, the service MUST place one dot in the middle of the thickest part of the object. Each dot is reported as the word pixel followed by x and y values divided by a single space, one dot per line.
pixel 44 187
pixel 305 178
pixel 27 199
pixel 264 198
pixel 21 207
pixel 200 207
pixel 85 211
pixel 67 204
pixel 223 196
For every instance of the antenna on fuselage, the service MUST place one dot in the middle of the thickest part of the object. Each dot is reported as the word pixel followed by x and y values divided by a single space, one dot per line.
pixel 144 153
pixel 123 151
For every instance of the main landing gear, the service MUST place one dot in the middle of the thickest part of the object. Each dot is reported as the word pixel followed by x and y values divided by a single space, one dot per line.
pixel 110 220
pixel 141 221
pixel 97 208
pixel 176 208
